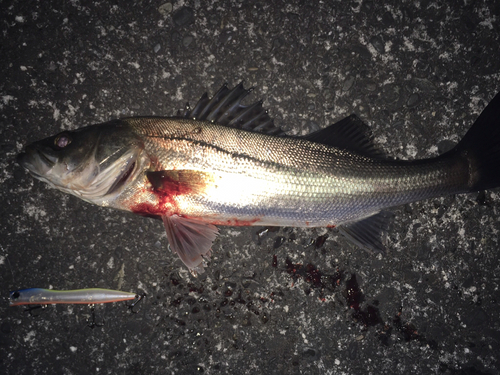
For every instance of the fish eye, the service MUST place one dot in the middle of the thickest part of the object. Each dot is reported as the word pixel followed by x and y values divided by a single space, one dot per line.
pixel 62 140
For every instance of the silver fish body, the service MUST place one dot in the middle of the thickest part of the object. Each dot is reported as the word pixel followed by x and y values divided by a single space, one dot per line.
pixel 195 174
pixel 257 179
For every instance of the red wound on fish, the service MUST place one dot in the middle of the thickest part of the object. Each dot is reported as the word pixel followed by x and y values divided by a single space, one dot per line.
pixel 237 223
pixel 147 209
pixel 169 184
pixel 179 182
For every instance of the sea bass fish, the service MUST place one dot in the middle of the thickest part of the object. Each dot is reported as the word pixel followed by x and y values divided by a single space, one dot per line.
pixel 224 163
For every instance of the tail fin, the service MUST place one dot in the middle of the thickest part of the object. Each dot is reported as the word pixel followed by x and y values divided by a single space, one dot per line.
pixel 481 146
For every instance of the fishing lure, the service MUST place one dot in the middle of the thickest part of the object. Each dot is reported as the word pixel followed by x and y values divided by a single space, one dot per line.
pixel 39 296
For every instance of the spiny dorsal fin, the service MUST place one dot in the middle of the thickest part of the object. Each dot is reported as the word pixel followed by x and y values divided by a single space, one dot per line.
pixel 225 108
pixel 350 134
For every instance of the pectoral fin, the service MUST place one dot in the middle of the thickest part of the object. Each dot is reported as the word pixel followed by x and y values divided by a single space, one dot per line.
pixel 190 239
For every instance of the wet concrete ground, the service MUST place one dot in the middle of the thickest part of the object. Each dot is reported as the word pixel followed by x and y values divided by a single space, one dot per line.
pixel 277 302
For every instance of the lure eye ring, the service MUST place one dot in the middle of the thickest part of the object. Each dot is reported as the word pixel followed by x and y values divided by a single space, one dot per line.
pixel 62 140
pixel 15 295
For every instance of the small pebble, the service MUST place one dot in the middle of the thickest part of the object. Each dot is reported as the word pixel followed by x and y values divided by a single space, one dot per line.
pixel 165 9
pixel 183 16
pixel 187 40
pixel 413 100
pixel 348 83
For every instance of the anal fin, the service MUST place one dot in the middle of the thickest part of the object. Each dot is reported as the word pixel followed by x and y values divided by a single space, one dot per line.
pixel 369 233
pixel 191 240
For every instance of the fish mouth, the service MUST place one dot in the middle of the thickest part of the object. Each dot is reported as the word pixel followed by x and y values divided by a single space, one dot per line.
pixel 86 179
pixel 50 160
pixel 36 161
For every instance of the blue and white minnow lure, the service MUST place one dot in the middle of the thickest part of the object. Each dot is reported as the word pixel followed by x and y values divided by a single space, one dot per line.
pixel 39 296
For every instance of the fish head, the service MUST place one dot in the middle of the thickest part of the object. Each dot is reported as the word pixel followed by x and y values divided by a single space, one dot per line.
pixel 94 163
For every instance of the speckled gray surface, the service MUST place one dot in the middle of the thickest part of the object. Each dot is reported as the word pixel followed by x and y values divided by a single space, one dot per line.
pixel 418 72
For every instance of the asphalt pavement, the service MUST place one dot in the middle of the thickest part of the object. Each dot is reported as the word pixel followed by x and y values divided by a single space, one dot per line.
pixel 272 301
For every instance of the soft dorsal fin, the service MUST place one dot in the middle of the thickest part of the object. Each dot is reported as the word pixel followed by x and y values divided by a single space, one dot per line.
pixel 225 108
pixel 350 134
